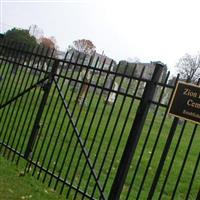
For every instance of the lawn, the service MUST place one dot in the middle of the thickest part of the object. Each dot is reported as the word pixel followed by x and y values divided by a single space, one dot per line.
pixel 14 186
pixel 104 130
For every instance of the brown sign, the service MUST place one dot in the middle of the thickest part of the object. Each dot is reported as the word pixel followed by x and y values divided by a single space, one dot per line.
pixel 186 102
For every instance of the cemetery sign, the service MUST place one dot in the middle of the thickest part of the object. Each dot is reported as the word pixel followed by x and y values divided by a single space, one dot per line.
pixel 185 102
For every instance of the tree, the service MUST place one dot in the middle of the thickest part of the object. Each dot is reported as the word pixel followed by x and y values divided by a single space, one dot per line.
pixel 83 50
pixel 35 31
pixel 48 42
pixel 189 66
pixel 84 46
pixel 20 36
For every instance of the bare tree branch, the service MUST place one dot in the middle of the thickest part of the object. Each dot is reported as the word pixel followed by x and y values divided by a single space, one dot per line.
pixel 189 66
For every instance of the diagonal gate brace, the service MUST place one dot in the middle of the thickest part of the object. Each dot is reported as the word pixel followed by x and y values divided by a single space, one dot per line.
pixel 23 93
pixel 85 152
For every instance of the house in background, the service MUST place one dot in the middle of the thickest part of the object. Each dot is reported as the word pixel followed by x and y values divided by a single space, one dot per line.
pixel 60 54
pixel 96 60
pixel 148 70
pixel 103 62
pixel 137 69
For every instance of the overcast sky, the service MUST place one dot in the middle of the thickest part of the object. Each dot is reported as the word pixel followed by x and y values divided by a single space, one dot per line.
pixel 150 30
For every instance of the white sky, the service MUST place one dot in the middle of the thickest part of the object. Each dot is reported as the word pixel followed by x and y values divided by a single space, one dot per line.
pixel 151 30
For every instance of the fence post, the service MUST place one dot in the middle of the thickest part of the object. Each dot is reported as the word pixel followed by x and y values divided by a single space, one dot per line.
pixel 36 125
pixel 135 133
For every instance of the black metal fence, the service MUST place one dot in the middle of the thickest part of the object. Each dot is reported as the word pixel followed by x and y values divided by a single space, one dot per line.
pixel 113 141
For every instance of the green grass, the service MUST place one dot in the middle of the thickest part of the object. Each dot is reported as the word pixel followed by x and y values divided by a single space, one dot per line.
pixel 14 186
pixel 56 139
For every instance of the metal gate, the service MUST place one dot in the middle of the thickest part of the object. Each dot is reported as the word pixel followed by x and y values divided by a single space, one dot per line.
pixel 93 149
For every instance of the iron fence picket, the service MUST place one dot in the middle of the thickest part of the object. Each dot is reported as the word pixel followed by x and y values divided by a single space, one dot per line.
pixel 50 121
pixel 40 150
pixel 23 82
pixel 54 128
pixel 67 137
pixel 163 156
pixel 62 123
pixel 6 69
pixel 82 146
pixel 193 177
pixel 39 136
pixel 198 195
pixel 35 129
pixel 35 108
pixel 81 129
pixel 2 63
pixel 6 73
pixel 184 161
pixel 133 138
pixel 91 122
pixel 153 150
pixel 172 160
pixel 6 116
pixel 106 128
pixel 123 129
pixel 98 125
pixel 146 139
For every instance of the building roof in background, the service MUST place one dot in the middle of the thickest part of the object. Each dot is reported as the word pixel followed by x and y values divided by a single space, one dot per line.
pixel 102 58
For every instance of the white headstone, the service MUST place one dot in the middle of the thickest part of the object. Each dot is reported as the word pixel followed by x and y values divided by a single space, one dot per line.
pixel 112 95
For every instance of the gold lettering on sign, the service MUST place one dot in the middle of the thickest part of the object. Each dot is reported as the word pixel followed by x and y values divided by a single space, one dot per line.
pixel 190 93
pixel 193 104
